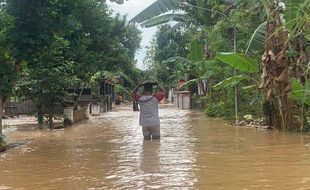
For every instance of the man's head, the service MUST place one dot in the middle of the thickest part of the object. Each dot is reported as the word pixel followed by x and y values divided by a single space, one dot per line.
pixel 148 88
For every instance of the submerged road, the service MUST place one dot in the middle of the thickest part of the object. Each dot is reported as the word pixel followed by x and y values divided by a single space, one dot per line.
pixel 195 152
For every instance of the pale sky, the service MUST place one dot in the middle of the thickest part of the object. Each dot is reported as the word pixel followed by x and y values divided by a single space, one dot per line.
pixel 131 8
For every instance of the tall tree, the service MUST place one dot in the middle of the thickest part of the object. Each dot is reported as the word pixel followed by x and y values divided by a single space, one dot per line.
pixel 81 35
pixel 8 72
pixel 47 78
pixel 167 43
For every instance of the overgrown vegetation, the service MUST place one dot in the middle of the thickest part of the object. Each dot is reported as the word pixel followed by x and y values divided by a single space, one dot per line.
pixel 2 142
pixel 264 72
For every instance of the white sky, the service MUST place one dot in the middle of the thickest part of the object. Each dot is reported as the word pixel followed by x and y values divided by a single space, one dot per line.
pixel 131 8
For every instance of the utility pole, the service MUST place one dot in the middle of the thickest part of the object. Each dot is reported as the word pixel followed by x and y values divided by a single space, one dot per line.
pixel 236 87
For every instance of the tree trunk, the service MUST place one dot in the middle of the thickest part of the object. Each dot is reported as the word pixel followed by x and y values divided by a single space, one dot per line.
pixel 1 113
pixel 40 116
pixel 201 88
pixel 50 120
pixel 276 75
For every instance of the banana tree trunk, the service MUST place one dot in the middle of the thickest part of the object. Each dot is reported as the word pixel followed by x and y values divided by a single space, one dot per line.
pixel 201 88
pixel 276 75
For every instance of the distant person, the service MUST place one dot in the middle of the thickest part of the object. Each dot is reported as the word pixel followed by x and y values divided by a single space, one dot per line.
pixel 119 99
pixel 148 101
pixel 135 105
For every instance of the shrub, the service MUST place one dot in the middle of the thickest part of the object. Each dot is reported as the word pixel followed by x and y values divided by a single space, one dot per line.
pixel 2 142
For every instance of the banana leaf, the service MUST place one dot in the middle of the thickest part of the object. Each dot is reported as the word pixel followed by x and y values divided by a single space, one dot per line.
pixel 239 62
pixel 230 82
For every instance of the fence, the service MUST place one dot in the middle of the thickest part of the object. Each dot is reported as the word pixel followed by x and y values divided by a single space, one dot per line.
pixel 23 107
pixel 26 107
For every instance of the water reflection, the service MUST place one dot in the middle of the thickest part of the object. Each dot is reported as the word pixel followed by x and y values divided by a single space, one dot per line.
pixel 150 165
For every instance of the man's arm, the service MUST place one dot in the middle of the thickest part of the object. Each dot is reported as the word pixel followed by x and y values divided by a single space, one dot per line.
pixel 134 93
pixel 135 90
pixel 161 88
pixel 161 94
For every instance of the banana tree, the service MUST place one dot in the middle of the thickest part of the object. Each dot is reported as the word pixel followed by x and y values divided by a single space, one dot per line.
pixel 199 70
pixel 180 11
pixel 275 65
pixel 194 66
pixel 241 63
pixel 157 8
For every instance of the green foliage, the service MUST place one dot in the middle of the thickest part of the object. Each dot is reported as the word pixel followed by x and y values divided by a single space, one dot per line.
pixel 297 18
pixel 181 62
pixel 155 9
pixel 201 69
pixel 196 51
pixel 7 65
pixel 166 18
pixel 292 11
pixel 167 44
pixel 126 92
pixel 200 3
pixel 239 61
pixel 194 66
pixel 300 93
pixel 215 24
pixel 230 82
pixel 257 39
pixel 216 109
pixel 48 76
pixel 199 13
pixel 7 75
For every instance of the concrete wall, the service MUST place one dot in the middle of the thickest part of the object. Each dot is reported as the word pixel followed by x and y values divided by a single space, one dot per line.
pixel 95 109
pixel 80 114
pixel 182 99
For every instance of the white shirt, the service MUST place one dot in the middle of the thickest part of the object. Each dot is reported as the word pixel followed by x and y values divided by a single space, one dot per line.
pixel 148 111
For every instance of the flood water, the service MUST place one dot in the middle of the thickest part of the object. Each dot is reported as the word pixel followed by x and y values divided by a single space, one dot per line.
pixel 195 152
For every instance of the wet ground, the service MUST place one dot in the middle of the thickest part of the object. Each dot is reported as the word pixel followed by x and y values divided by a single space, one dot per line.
pixel 195 152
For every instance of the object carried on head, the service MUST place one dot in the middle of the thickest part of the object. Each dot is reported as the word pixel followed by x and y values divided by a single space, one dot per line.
pixel 148 86
pixel 149 83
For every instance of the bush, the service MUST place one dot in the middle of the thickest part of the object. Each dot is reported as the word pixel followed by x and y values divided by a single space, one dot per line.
pixel 2 142
pixel 215 109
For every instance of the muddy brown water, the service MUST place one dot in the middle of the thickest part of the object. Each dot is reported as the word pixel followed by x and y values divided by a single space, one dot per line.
pixel 195 152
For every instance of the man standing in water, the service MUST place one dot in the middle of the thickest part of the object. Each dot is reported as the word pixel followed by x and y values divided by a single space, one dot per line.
pixel 149 119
